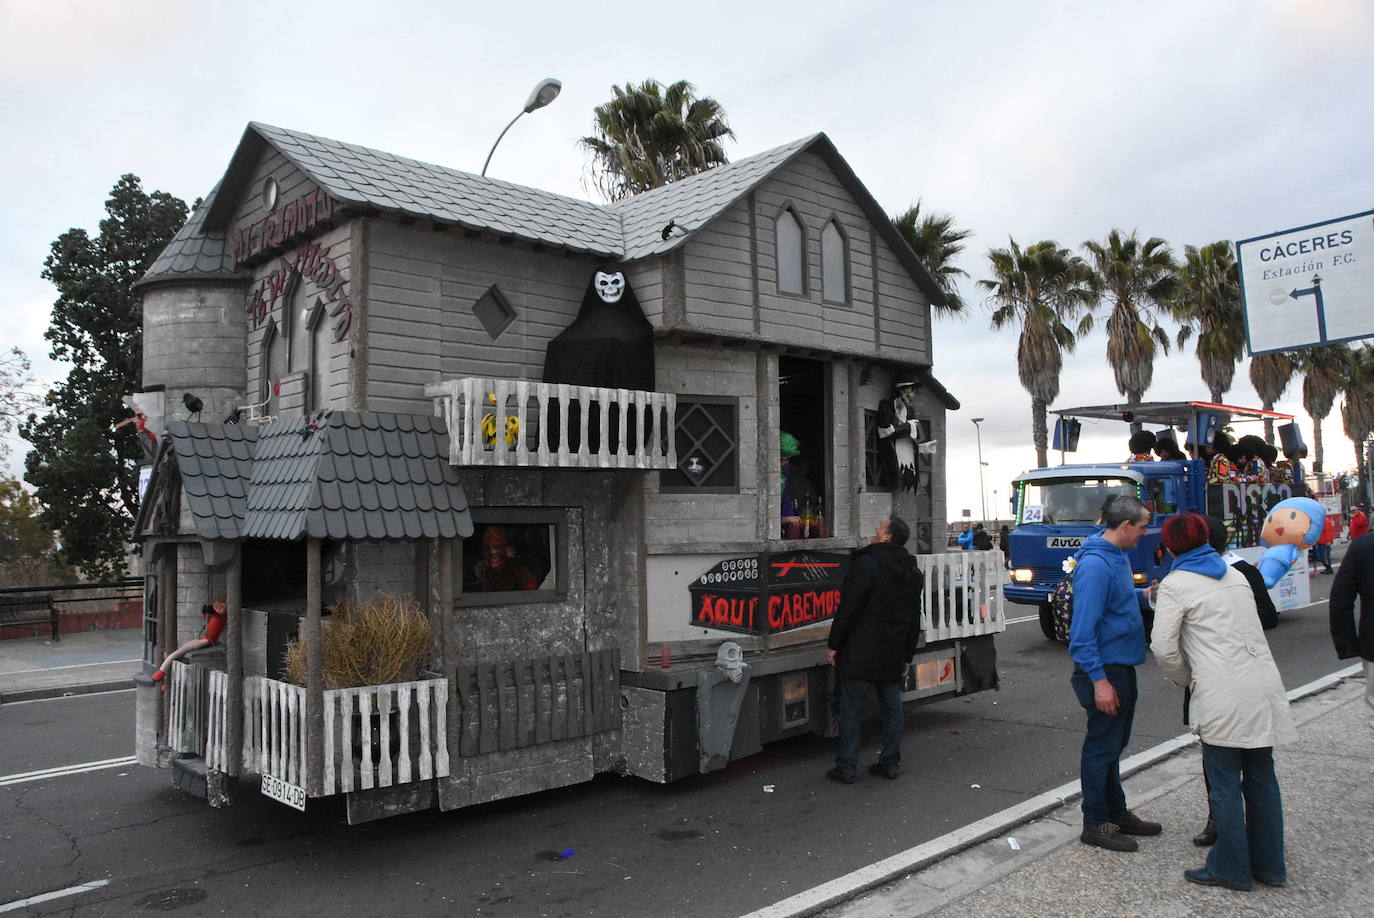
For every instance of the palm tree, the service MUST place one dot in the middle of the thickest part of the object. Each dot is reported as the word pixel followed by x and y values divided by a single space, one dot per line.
pixel 1140 279
pixel 649 135
pixel 1208 301
pixel 1324 370
pixel 1042 289
pixel 936 242
pixel 1357 413
pixel 1270 374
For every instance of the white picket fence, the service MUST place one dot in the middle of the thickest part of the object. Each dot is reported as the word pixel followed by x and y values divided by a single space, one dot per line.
pixel 374 736
pixel 962 595
pixel 641 436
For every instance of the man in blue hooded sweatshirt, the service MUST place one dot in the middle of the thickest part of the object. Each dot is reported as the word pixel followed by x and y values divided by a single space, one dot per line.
pixel 1107 643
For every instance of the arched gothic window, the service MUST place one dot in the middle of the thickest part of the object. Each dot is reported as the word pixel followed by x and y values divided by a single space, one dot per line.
pixel 834 263
pixel 791 253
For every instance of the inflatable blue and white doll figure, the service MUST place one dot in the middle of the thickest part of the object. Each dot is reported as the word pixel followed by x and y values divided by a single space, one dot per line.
pixel 1292 527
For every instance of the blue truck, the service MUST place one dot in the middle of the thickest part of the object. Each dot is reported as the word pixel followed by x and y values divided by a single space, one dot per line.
pixel 1056 508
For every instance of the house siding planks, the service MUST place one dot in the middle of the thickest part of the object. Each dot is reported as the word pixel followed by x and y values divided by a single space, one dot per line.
pixel 422 285
pixel 291 401
pixel 723 294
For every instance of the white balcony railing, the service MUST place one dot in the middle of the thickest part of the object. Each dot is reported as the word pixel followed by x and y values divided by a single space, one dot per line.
pixel 962 595
pixel 521 423
pixel 374 735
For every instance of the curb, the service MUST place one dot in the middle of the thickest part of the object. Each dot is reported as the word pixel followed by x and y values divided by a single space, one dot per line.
pixel 62 691
pixel 880 873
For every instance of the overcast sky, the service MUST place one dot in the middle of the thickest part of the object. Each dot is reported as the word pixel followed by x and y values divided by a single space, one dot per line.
pixel 1194 121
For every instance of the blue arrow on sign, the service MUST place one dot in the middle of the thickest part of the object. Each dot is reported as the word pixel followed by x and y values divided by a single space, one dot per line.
pixel 1315 291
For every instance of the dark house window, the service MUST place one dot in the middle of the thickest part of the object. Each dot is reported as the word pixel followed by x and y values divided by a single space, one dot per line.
pixel 878 473
pixel 707 432
pixel 494 311
pixel 791 252
pixel 834 264
pixel 514 555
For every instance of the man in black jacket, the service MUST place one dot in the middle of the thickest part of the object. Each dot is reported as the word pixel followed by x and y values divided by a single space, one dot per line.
pixel 872 641
pixel 1355 578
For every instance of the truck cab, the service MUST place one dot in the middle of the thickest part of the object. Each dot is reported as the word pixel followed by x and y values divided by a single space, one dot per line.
pixel 1056 509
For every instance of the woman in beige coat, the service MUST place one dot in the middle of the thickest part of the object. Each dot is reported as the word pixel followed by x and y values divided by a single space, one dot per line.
pixel 1207 637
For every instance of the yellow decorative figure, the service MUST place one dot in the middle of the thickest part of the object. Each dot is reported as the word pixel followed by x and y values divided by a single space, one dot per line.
pixel 489 425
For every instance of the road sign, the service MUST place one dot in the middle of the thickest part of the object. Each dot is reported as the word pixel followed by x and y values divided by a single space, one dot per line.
pixel 1308 286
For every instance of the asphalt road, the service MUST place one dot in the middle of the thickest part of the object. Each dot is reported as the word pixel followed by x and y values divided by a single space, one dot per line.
pixel 717 845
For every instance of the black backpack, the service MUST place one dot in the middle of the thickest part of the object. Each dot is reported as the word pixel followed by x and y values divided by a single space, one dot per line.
pixel 981 540
pixel 1061 604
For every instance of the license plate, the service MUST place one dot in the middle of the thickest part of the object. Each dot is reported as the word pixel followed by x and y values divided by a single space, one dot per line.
pixel 283 792
pixel 1064 542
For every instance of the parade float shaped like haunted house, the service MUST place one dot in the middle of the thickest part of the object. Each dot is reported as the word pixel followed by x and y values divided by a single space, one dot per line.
pixel 555 426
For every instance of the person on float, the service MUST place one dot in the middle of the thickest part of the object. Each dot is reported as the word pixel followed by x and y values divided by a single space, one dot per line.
pixel 1140 445
pixel 216 614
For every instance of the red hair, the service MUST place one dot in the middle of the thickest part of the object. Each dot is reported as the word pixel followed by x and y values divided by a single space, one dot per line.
pixel 1184 532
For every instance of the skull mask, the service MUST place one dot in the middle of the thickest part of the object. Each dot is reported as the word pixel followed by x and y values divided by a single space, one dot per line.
pixel 610 287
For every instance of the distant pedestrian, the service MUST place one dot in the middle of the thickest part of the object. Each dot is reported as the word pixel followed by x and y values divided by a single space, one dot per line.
pixel 1107 643
pixel 1352 637
pixel 1322 550
pixel 966 538
pixel 872 640
pixel 1207 636
pixel 982 539
pixel 1359 523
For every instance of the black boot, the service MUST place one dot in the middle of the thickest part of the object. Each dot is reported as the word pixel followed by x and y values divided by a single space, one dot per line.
pixel 1208 836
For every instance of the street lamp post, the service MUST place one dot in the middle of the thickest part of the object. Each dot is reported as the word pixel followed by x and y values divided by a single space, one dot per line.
pixel 542 95
pixel 982 495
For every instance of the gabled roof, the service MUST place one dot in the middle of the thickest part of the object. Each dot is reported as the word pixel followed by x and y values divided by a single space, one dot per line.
pixel 625 230
pixel 359 476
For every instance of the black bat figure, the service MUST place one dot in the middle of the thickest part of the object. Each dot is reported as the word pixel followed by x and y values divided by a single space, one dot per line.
pixel 193 405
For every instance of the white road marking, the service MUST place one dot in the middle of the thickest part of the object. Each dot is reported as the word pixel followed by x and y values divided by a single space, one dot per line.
pixel 62 771
pixel 57 894
pixel 44 669
pixel 69 696
pixel 1024 618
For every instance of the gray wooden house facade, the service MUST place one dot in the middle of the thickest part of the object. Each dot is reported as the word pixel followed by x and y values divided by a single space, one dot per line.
pixel 321 277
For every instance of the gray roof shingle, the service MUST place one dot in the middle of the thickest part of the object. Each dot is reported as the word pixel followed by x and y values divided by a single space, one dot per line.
pixel 215 463
pixel 625 230
pixel 339 475
pixel 194 252
pixel 347 475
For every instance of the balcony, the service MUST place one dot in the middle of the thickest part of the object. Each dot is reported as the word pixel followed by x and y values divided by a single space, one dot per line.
pixel 518 423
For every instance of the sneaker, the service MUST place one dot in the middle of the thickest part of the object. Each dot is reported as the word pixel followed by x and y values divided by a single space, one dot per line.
pixel 840 777
pixel 1131 824
pixel 1207 837
pixel 1107 835
pixel 884 771
pixel 1204 877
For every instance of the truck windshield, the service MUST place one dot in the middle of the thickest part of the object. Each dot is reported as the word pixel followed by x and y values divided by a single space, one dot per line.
pixel 1069 500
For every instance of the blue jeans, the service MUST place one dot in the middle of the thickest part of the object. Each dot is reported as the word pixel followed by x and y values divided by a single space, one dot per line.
pixel 1248 812
pixel 1322 554
pixel 853 694
pixel 1106 739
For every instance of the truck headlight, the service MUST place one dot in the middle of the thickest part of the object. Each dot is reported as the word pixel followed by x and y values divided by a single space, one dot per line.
pixel 1022 575
pixel 1139 578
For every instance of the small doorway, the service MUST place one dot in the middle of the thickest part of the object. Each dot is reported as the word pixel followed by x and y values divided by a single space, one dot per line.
pixel 804 412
